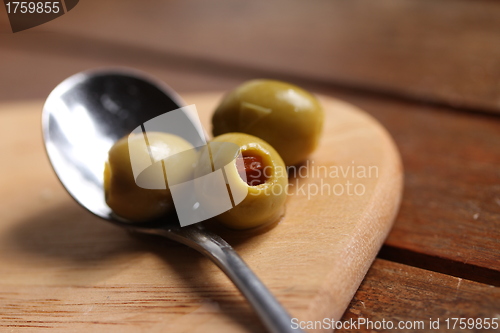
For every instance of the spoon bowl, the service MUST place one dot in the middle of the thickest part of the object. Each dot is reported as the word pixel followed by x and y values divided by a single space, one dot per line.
pixel 86 114
pixel 81 120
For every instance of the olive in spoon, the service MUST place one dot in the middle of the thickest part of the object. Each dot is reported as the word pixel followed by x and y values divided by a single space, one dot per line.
pixel 84 116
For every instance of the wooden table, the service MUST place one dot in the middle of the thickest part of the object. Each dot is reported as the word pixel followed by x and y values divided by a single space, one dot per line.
pixel 427 70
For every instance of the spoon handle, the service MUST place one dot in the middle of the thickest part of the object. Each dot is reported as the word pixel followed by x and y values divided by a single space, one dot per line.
pixel 271 312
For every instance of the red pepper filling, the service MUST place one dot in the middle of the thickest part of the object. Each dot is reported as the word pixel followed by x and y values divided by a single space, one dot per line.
pixel 254 170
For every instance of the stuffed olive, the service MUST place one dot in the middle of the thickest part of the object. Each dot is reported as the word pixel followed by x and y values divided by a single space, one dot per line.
pixel 142 196
pixel 284 115
pixel 259 173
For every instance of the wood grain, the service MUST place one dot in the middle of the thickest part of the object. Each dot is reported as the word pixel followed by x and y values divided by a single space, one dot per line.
pixel 425 50
pixel 64 269
pixel 420 295
pixel 451 201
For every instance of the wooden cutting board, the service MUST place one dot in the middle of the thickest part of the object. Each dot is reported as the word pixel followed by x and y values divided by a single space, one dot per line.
pixel 62 269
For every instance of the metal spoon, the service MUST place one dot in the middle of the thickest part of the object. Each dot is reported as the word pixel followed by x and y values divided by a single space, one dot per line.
pixel 83 117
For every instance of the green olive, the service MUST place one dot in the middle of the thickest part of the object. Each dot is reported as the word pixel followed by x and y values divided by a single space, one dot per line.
pixel 265 187
pixel 123 195
pixel 286 116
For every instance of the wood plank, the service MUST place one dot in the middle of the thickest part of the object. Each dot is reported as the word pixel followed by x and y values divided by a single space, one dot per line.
pixel 4 22
pixel 425 50
pixel 442 265
pixel 451 200
pixel 390 292
pixel 400 293
pixel 32 63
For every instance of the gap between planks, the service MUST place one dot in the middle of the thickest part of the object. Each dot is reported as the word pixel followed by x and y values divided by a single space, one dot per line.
pixel 440 265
